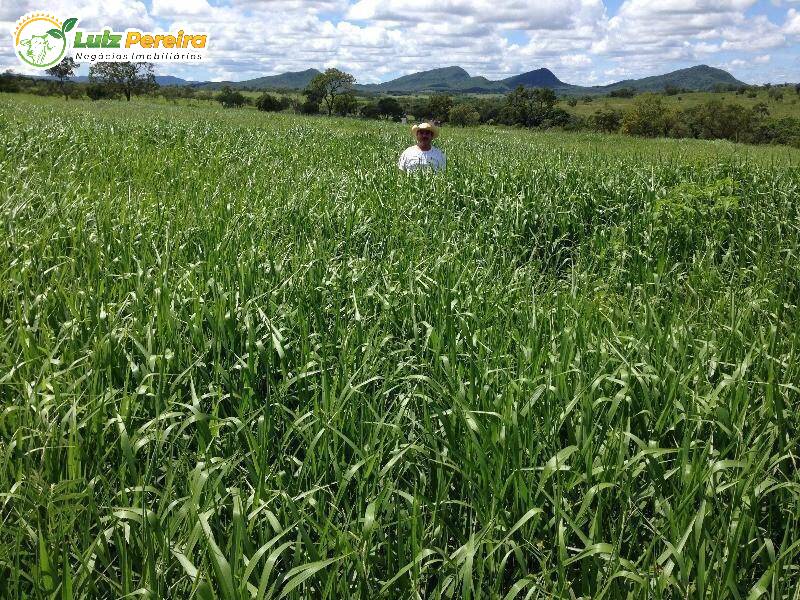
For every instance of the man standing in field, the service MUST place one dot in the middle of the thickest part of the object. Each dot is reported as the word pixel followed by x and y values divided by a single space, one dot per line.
pixel 422 155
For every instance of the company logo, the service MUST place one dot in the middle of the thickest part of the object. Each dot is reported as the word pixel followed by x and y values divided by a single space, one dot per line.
pixel 41 41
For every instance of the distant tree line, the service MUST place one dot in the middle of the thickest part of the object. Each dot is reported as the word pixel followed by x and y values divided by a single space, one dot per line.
pixel 649 116
pixel 106 80
pixel 332 93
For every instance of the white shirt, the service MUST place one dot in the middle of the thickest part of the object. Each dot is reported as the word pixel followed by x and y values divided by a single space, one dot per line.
pixel 413 158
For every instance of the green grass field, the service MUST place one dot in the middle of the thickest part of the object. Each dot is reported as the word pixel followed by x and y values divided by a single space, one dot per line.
pixel 789 106
pixel 242 356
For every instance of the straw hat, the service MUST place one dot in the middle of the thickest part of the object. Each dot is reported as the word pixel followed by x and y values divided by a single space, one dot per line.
pixel 425 127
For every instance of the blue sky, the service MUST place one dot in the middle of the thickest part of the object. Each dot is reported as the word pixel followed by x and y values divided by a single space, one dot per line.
pixel 582 41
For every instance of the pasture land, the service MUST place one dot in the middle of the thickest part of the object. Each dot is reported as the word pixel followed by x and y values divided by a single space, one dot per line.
pixel 242 356
pixel 788 106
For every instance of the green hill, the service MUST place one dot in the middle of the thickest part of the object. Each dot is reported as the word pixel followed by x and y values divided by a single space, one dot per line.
pixel 446 79
pixel 456 80
pixel 293 80
pixel 700 78
pixel 543 78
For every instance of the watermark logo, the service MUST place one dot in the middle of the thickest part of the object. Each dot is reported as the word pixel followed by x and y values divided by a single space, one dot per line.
pixel 41 41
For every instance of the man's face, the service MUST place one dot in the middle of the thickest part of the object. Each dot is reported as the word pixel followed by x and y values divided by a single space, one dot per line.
pixel 424 137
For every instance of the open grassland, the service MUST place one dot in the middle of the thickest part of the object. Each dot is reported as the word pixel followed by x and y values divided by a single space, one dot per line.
pixel 241 356
pixel 788 106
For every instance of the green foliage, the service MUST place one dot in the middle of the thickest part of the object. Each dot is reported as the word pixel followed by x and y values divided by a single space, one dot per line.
pixel 390 108
pixel 417 108
pixel 345 104
pixel 531 107
pixel 695 216
pixel 308 107
pixel 10 82
pixel 174 93
pixel 124 78
pixel 464 115
pixel 270 103
pixel 778 131
pixel 648 117
pixel 625 92
pixel 230 98
pixel 170 92
pixel 438 107
pixel 64 70
pixel 775 94
pixel 488 108
pixel 606 120
pixel 98 91
pixel 761 110
pixel 326 87
pixel 718 120
pixel 386 108
pixel 370 110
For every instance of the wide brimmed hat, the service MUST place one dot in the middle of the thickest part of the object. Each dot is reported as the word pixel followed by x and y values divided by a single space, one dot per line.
pixel 425 127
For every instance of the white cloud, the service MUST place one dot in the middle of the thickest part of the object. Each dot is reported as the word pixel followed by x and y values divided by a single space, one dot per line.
pixel 580 40
pixel 513 14
pixel 171 10
pixel 655 32
pixel 792 25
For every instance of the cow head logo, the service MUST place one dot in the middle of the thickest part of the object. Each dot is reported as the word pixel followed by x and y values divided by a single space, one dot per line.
pixel 40 40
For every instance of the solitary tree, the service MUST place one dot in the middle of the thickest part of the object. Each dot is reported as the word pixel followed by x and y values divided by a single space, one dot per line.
pixel 63 71
pixel 327 86
pixel 125 77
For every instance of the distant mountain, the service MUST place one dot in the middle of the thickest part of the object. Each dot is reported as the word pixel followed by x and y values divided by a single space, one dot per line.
pixel 699 78
pixel 293 80
pixel 170 80
pixel 543 78
pixel 446 79
pixel 457 80
pixel 160 80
